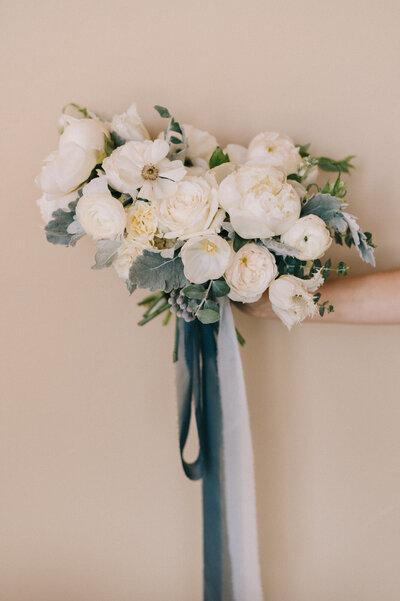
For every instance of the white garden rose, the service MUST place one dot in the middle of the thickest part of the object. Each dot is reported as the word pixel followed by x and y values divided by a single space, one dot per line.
pixel 205 258
pixel 309 236
pixel 48 203
pixel 189 210
pixel 142 220
pixel 100 214
pixel 143 166
pixel 292 299
pixel 200 147
pixel 251 271
pixel 129 125
pixel 127 253
pixel 277 150
pixel 260 201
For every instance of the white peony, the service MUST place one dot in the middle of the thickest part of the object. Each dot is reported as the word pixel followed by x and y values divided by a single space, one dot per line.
pixel 127 253
pixel 143 166
pixel 100 214
pixel 48 203
pixel 129 125
pixel 205 258
pixel 250 273
pixel 309 236
pixel 201 145
pixel 189 210
pixel 292 299
pixel 259 200
pixel 142 220
pixel 277 150
pixel 237 153
pixel 81 148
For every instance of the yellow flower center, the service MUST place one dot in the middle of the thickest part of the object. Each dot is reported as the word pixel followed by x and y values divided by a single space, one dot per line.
pixel 150 172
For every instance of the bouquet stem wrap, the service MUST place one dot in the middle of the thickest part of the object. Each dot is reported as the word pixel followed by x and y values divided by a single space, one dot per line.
pixel 210 383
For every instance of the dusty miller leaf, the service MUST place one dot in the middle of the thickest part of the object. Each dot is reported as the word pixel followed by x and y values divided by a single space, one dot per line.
pixel 324 206
pixel 279 248
pixel 107 250
pixel 57 229
pixel 150 270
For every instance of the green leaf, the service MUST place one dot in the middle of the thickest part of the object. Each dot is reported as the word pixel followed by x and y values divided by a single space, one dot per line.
pixel 330 165
pixel 220 288
pixel 151 271
pixel 212 305
pixel 218 158
pixel 240 338
pixel 207 316
pixel 116 139
pixel 303 150
pixel 107 250
pixel 162 111
pixel 323 205
pixel 238 242
pixel 175 140
pixel 56 229
pixel 195 291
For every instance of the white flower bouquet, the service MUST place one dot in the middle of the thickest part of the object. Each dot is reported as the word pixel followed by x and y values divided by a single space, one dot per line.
pixel 197 226
pixel 191 222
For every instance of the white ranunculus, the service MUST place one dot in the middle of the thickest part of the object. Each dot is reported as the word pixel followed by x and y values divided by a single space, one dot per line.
pixel 251 271
pixel 129 125
pixel 48 203
pixel 143 166
pixel 277 150
pixel 309 236
pixel 259 200
pixel 292 299
pixel 142 220
pixel 100 214
pixel 205 258
pixel 127 253
pixel 189 210
pixel 201 145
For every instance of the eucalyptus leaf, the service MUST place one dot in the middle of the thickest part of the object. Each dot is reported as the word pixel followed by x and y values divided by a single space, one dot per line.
pixel 211 305
pixel 207 316
pixel 195 291
pixel 238 242
pixel 219 288
pixel 107 250
pixel 162 111
pixel 150 270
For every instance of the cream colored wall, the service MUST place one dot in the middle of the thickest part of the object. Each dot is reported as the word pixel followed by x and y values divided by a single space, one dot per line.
pixel 94 505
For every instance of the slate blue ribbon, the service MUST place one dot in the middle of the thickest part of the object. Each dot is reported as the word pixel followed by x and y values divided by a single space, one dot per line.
pixel 198 393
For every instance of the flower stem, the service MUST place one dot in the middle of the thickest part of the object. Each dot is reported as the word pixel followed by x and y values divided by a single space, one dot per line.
pixel 158 311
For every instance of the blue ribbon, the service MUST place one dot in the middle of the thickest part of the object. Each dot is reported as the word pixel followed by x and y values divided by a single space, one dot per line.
pixel 199 391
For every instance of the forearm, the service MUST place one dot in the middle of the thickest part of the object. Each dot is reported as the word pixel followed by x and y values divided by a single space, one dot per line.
pixel 371 299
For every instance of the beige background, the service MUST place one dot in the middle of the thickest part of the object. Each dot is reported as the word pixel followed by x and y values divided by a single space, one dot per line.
pixel 94 505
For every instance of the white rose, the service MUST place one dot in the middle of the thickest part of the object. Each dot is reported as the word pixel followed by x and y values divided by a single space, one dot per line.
pixel 100 214
pixel 309 236
pixel 48 203
pixel 129 125
pixel 205 258
pixel 292 299
pixel 277 150
pixel 201 145
pixel 259 200
pixel 250 273
pixel 127 253
pixel 142 220
pixel 143 165
pixel 189 210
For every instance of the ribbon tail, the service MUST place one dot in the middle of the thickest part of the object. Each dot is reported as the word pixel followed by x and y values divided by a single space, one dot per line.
pixel 239 482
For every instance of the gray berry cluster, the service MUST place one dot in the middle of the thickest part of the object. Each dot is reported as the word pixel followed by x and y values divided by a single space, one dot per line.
pixel 180 305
